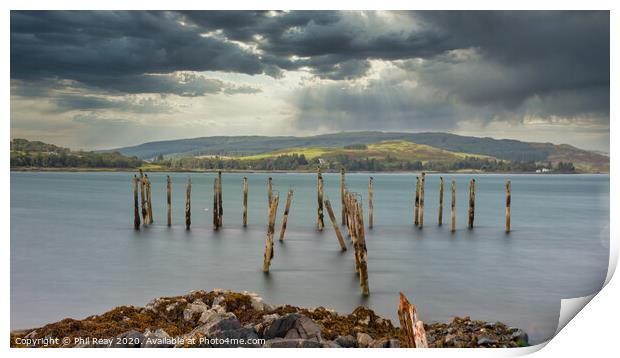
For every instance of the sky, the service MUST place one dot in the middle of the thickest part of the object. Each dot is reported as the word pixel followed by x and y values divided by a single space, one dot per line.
pixel 107 79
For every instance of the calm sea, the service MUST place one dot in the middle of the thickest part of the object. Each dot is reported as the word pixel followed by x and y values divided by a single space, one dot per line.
pixel 74 251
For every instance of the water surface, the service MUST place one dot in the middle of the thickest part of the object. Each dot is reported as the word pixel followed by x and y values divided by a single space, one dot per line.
pixel 74 251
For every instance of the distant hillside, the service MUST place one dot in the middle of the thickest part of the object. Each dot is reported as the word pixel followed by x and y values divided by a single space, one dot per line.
pixel 503 149
pixel 35 154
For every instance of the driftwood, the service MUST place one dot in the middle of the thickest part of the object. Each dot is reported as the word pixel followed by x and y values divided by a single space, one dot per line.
pixel 453 206
pixel 332 217
pixel 273 209
pixel 136 210
pixel 370 205
pixel 472 203
pixel 410 326
pixel 508 194
pixel 245 201
pixel 289 197
pixel 440 214
pixel 188 204
pixel 169 200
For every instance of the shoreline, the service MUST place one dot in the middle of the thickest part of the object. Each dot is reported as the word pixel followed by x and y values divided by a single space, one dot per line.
pixel 223 318
pixel 160 170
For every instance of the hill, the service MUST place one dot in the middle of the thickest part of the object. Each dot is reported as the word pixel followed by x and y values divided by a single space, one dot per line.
pixel 243 146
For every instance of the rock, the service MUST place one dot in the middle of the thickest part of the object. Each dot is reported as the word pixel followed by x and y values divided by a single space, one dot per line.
pixel 346 341
pixel 291 343
pixel 381 343
pixel 364 340
pixel 449 339
pixel 215 323
pixel 394 343
pixel 234 337
pixel 304 328
pixel 131 339
pixel 364 321
pixel 519 336
pixel 194 308
pixel 157 339
pixel 485 341
pixel 329 344
pixel 280 326
pixel 217 300
pixel 31 335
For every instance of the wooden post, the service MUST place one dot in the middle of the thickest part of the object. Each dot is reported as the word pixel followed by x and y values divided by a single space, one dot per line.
pixel 422 200
pixel 411 327
pixel 216 209
pixel 440 218
pixel 269 196
pixel 362 252
pixel 289 197
pixel 453 206
pixel 332 217
pixel 273 209
pixel 370 206
pixel 416 213
pixel 220 202
pixel 508 206
pixel 245 201
pixel 169 199
pixel 188 204
pixel 342 206
pixel 143 198
pixel 136 211
pixel 148 199
pixel 472 203
pixel 319 188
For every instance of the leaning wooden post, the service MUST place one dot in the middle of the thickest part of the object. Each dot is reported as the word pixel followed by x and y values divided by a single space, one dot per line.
pixel 416 213
pixel 453 206
pixel 440 217
pixel 342 190
pixel 169 199
pixel 136 211
pixel 245 201
pixel 143 198
pixel 319 186
pixel 289 197
pixel 148 199
pixel 422 201
pixel 411 327
pixel 273 209
pixel 472 203
pixel 216 209
pixel 370 206
pixel 220 202
pixel 332 217
pixel 507 206
pixel 188 204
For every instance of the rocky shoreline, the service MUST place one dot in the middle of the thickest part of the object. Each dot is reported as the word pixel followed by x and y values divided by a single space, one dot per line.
pixel 222 318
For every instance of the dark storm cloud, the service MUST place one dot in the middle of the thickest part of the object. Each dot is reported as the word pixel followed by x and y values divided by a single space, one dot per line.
pixel 498 62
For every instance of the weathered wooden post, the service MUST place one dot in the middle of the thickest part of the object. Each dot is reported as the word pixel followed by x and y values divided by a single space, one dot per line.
pixel 416 213
pixel 148 199
pixel 370 206
pixel 269 196
pixel 508 206
pixel 273 209
pixel 143 198
pixel 411 327
pixel 319 188
pixel 169 199
pixel 342 205
pixel 440 217
pixel 332 217
pixel 136 211
pixel 216 208
pixel 472 203
pixel 245 201
pixel 188 204
pixel 422 200
pixel 289 197
pixel 220 202
pixel 362 252
pixel 453 206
